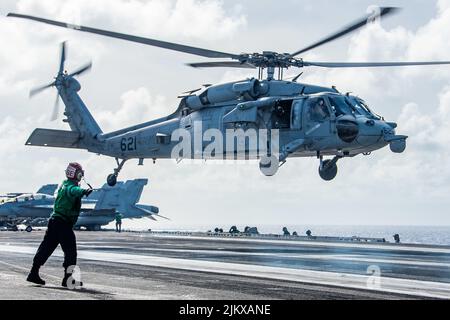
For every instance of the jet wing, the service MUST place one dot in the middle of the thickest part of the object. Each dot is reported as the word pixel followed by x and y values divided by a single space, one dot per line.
pixel 99 213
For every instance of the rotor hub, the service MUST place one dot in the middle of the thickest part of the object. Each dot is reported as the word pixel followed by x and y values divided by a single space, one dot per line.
pixel 269 59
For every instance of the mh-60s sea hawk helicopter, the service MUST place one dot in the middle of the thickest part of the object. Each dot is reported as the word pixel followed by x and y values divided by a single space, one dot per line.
pixel 309 120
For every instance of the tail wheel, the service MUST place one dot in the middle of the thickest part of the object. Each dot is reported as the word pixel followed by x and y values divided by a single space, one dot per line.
pixel 328 171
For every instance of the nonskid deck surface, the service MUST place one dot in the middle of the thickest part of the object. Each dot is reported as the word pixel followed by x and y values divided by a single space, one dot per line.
pixel 152 266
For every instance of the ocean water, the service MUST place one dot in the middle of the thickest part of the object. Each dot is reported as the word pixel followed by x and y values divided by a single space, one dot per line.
pixel 438 235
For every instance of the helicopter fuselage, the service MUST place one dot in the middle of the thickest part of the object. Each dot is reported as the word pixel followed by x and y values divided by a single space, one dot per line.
pixel 269 120
pixel 258 107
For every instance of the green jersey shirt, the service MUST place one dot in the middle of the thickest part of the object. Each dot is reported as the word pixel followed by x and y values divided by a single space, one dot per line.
pixel 68 202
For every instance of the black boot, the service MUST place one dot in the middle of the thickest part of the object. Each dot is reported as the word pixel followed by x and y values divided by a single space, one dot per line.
pixel 66 278
pixel 34 276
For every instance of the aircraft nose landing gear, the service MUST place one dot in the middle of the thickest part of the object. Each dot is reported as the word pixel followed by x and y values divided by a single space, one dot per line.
pixel 112 178
pixel 328 168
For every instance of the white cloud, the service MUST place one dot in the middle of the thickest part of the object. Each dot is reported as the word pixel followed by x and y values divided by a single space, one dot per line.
pixel 137 106
pixel 197 19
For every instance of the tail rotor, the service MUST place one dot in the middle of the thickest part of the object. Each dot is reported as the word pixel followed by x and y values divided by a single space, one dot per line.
pixel 60 80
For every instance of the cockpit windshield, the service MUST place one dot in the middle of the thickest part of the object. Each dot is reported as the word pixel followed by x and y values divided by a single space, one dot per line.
pixel 341 106
pixel 359 104
pixel 24 197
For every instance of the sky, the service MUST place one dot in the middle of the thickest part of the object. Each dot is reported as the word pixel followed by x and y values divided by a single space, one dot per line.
pixel 132 83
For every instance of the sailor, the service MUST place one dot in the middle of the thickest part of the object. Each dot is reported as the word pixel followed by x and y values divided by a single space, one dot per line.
pixel 60 226
pixel 119 222
pixel 319 111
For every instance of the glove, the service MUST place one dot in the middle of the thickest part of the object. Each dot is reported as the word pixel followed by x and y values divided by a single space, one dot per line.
pixel 87 192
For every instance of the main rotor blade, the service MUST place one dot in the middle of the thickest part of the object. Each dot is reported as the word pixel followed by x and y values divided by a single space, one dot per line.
pixel 151 42
pixel 63 57
pixel 371 64
pixel 55 109
pixel 37 90
pixel 222 64
pixel 348 29
pixel 81 70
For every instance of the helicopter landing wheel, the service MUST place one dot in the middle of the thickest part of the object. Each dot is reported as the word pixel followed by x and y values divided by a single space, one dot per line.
pixel 328 170
pixel 112 180
pixel 269 165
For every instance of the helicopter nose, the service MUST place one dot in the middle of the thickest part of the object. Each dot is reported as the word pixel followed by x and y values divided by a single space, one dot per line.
pixel 397 143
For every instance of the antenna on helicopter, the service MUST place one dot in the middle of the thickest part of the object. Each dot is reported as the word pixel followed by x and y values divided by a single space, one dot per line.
pixel 297 77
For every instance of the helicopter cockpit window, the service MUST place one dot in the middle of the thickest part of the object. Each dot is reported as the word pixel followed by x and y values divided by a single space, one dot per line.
pixel 318 110
pixel 363 105
pixel 360 108
pixel 341 106
pixel 297 114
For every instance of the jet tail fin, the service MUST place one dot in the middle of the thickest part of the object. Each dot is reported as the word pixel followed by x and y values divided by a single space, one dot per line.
pixel 124 197
pixel 120 197
pixel 48 189
pixel 55 138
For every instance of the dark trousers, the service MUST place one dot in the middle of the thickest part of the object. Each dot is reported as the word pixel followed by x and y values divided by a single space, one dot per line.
pixel 58 232
pixel 118 226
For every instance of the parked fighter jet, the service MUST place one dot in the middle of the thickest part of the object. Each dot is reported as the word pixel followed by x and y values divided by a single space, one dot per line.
pixel 96 211
pixel 48 189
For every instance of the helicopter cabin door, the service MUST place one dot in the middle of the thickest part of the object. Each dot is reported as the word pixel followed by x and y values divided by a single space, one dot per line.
pixel 317 118
pixel 281 117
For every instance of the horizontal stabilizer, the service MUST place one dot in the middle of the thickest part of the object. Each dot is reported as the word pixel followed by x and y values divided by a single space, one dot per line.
pixel 151 211
pixel 54 138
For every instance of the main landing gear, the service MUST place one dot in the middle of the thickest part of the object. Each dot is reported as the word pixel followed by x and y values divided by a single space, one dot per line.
pixel 112 178
pixel 328 168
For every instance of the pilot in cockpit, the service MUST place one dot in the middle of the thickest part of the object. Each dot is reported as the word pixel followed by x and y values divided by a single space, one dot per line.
pixel 319 111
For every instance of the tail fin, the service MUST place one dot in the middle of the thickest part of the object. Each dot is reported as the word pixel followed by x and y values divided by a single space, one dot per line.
pixel 121 197
pixel 48 189
pixel 78 116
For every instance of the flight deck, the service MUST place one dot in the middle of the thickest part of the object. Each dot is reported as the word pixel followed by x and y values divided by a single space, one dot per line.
pixel 151 265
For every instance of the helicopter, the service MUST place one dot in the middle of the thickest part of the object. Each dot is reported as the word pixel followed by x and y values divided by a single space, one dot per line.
pixel 287 119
